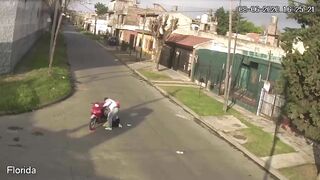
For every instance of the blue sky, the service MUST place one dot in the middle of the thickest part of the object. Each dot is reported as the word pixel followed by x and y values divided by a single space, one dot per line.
pixel 203 5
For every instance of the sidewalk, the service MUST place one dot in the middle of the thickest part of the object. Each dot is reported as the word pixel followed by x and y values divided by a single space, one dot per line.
pixel 227 126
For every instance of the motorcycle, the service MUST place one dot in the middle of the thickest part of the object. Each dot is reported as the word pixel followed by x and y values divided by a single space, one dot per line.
pixel 99 116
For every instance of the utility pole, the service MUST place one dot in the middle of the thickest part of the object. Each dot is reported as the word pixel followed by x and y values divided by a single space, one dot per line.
pixel 233 55
pixel 53 27
pixel 226 79
pixel 55 37
pixel 95 24
pixel 142 38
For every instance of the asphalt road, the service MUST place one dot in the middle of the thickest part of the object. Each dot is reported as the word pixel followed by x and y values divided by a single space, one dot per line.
pixel 56 140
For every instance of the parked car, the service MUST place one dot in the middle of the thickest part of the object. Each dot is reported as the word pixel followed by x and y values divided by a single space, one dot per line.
pixel 113 41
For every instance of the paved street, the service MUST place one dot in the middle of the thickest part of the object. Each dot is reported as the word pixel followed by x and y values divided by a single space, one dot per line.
pixel 56 140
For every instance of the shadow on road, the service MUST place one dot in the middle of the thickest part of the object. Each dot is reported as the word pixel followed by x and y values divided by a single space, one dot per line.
pixel 61 154
pixel 316 154
pixel 273 148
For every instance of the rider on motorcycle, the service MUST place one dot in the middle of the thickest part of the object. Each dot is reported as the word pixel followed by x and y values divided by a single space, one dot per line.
pixel 111 109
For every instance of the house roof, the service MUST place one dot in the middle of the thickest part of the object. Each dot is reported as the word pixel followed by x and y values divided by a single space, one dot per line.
pixel 188 41
pixel 145 32
pixel 254 36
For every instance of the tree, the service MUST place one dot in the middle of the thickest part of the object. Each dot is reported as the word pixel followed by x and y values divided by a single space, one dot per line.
pixel 161 30
pixel 222 18
pixel 237 20
pixel 247 26
pixel 244 26
pixel 101 9
pixel 301 72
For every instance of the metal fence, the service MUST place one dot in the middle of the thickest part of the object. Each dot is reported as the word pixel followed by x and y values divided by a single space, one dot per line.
pixel 271 104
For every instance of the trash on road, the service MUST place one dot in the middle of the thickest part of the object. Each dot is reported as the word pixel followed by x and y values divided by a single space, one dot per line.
pixel 116 60
pixel 179 152
pixel 181 116
pixel 129 125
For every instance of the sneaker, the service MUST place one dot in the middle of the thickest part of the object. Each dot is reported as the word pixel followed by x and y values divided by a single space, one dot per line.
pixel 108 128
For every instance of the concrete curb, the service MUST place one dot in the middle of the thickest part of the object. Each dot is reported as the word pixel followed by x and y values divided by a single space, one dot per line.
pixel 222 135
pixel 173 82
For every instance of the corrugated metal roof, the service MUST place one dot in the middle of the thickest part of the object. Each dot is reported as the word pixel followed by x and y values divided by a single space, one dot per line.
pixel 186 40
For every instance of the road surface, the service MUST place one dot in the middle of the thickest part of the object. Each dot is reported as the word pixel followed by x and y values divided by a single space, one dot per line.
pixel 57 143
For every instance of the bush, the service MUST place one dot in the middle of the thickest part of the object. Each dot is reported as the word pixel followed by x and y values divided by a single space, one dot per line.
pixel 302 75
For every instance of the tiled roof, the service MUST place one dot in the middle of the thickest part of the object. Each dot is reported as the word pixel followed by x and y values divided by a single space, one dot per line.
pixel 188 41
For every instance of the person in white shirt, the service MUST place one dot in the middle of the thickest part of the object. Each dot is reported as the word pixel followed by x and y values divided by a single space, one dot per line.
pixel 113 108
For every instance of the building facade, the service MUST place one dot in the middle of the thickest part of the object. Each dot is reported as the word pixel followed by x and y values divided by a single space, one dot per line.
pixel 21 24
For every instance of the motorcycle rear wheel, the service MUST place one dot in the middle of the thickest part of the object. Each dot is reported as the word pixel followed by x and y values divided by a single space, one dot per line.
pixel 92 124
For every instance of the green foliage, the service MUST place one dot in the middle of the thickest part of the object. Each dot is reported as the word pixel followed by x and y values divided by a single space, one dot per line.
pixel 260 142
pixel 247 27
pixel 301 73
pixel 302 172
pixel 157 76
pixel 101 9
pixel 238 23
pixel 31 86
pixel 222 18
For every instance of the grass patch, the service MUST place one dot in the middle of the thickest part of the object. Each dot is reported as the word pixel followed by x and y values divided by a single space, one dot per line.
pixel 31 86
pixel 90 35
pixel 203 105
pixel 154 75
pixel 308 171
pixel 259 142
pixel 99 38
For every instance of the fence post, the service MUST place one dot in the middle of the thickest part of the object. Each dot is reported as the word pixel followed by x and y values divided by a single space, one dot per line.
pixel 273 105
pixel 260 101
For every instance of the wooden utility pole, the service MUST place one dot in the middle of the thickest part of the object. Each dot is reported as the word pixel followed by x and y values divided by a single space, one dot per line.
pixel 95 24
pixel 54 43
pixel 143 29
pixel 56 33
pixel 226 79
pixel 233 55
pixel 269 67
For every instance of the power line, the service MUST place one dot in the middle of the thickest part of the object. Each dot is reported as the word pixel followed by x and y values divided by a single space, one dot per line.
pixel 86 7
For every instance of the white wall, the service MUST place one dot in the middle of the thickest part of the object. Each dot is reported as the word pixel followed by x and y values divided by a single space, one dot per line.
pixel 221 43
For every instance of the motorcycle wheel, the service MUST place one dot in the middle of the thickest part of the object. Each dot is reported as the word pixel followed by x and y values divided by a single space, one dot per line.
pixel 92 124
